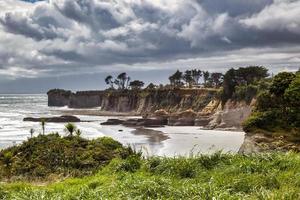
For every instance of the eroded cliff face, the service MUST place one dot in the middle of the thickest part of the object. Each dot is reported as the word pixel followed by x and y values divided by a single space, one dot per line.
pixel 134 101
pixel 231 115
pixel 199 107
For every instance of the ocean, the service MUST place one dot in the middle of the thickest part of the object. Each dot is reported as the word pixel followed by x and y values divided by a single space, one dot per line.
pixel 177 140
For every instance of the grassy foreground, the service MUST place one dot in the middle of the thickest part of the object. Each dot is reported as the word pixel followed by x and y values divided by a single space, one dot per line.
pixel 219 176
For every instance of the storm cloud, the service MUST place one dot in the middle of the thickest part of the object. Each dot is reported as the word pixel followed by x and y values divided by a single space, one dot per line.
pixel 70 37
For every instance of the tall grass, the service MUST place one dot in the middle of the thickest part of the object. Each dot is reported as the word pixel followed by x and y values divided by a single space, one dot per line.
pixel 217 176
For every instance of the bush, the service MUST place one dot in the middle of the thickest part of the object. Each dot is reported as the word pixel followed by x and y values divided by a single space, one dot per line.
pixel 44 155
pixel 262 120
pixel 245 92
pixel 131 164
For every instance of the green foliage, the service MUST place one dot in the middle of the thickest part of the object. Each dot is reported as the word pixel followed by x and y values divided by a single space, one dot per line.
pixel 175 79
pixel 70 128
pixel 241 82
pixel 131 164
pixel 264 176
pixel 278 106
pixel 245 92
pixel 292 94
pixel 265 101
pixel 261 120
pixel 45 155
pixel 281 82
pixel 136 85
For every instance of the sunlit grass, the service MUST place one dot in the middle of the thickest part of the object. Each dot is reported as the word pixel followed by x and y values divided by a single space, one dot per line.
pixel 219 176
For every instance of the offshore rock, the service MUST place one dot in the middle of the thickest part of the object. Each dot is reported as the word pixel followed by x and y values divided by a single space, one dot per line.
pixel 61 119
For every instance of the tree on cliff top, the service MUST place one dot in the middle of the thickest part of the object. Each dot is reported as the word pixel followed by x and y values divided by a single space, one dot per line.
pixel 123 80
pixel 205 76
pixel 247 75
pixel 109 81
pixel 217 79
pixel 176 78
pixel 136 85
pixel 241 76
pixel 188 78
pixel 196 74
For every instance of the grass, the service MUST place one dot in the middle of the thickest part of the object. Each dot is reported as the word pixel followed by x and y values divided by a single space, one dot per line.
pixel 218 176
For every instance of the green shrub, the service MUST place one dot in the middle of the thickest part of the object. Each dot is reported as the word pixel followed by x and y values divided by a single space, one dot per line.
pixel 44 155
pixel 262 120
pixel 245 92
pixel 131 164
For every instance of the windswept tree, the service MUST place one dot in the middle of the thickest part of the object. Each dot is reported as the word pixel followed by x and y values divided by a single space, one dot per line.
pixel 151 86
pixel 196 74
pixel 176 78
pixel 206 75
pixel 109 81
pixel 217 79
pixel 136 85
pixel 188 78
pixel 247 75
pixel 123 80
pixel 117 82
pixel 229 84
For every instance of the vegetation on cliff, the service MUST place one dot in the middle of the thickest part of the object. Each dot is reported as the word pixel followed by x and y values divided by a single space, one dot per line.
pixel 277 107
pixel 218 176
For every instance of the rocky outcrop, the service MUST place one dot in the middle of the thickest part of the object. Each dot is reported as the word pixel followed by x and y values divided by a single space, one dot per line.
pixel 185 118
pixel 267 142
pixel 61 119
pixel 137 122
pixel 231 115
pixel 58 97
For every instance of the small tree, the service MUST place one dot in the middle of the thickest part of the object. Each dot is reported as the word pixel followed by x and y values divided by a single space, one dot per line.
pixel 188 78
pixel 78 133
pixel 109 81
pixel 176 78
pixel 43 124
pixel 31 131
pixel 206 75
pixel 70 129
pixel 217 79
pixel 196 74
pixel 151 86
pixel 123 80
pixel 136 85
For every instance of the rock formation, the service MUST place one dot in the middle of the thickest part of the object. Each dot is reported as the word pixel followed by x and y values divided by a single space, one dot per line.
pixel 61 119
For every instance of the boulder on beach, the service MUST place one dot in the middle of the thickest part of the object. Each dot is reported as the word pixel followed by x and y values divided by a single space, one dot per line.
pixel 153 122
pixel 185 118
pixel 161 113
pixel 113 122
pixel 60 119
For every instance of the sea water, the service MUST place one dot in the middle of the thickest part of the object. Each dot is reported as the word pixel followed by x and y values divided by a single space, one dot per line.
pixel 181 140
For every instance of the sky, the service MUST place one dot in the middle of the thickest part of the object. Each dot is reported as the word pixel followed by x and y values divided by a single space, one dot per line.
pixel 75 44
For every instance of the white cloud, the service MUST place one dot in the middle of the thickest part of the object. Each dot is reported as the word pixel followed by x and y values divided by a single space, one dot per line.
pixel 77 36
pixel 280 16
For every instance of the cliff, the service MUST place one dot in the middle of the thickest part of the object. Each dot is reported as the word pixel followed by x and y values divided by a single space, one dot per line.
pixel 134 101
pixel 200 107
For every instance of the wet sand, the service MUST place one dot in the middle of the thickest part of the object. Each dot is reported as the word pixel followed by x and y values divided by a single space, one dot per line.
pixel 153 136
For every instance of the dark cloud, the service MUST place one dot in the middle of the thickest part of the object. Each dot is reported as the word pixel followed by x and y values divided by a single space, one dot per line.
pixel 98 35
